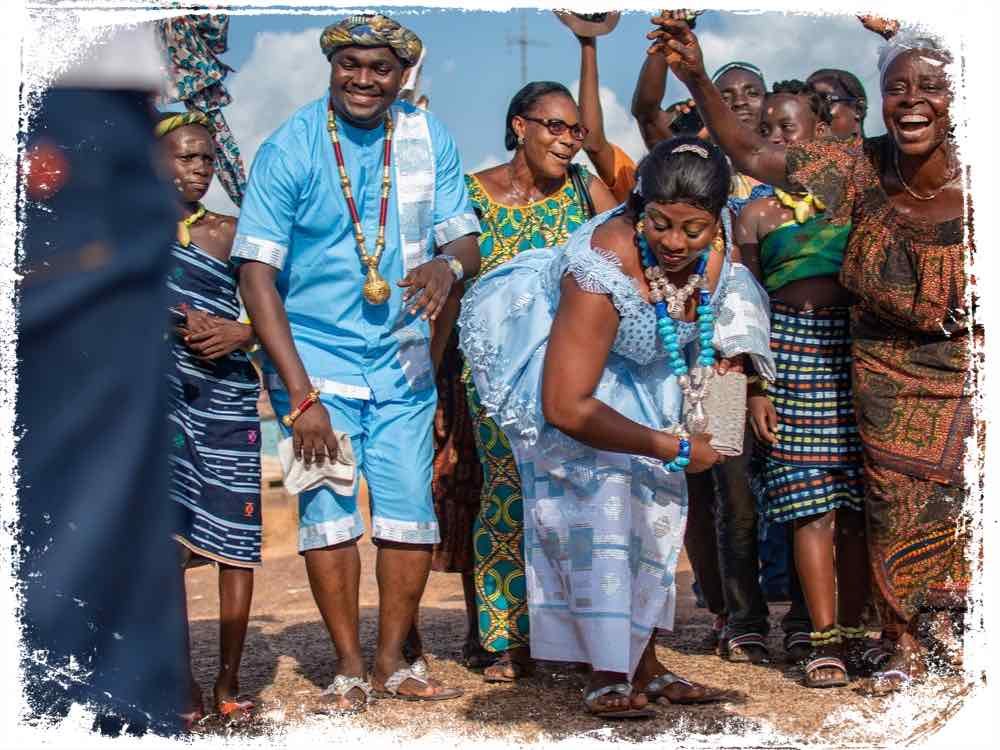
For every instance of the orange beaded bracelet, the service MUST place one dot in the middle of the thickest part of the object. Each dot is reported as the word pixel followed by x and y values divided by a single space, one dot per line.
pixel 289 419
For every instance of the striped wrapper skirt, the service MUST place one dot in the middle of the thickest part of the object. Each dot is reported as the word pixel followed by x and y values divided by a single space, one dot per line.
pixel 816 465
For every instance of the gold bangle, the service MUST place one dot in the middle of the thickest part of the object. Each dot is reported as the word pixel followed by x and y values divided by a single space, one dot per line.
pixel 289 419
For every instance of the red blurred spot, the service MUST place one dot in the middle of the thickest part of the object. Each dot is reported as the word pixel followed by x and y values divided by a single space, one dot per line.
pixel 46 171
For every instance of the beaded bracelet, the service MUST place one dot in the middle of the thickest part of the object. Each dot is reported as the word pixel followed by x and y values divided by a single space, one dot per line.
pixel 289 419
pixel 683 457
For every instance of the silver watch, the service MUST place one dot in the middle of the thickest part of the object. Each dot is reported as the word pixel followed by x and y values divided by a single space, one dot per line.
pixel 454 264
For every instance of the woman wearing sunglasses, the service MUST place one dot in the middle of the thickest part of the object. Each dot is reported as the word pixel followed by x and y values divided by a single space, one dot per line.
pixel 535 200
pixel 845 96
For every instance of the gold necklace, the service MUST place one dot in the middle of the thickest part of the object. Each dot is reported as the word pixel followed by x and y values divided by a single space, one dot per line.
pixel 184 226
pixel 375 288
pixel 913 193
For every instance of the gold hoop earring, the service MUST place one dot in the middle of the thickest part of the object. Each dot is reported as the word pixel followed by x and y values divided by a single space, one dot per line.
pixel 719 243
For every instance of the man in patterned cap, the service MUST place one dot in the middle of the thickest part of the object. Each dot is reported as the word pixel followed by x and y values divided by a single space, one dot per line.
pixel 345 205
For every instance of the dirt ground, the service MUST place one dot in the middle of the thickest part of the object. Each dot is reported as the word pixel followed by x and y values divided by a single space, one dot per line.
pixel 289 659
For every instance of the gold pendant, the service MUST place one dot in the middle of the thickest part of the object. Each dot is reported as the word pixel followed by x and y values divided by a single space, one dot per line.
pixel 375 289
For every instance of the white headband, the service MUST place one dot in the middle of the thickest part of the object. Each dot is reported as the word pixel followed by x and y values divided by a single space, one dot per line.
pixel 904 41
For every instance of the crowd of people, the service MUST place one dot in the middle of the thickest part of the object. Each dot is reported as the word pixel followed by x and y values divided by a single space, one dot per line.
pixel 554 381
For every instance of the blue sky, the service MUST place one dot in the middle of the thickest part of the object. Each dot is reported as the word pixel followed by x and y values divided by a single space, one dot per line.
pixel 471 73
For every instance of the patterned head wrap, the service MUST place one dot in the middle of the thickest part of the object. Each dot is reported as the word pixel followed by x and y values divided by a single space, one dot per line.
pixel 904 41
pixel 737 65
pixel 196 76
pixel 372 30
pixel 171 123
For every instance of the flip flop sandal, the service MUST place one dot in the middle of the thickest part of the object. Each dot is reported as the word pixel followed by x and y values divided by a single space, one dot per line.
pixel 339 688
pixel 420 667
pixel 748 648
pixel 242 709
pixel 621 688
pixel 798 646
pixel 825 662
pixel 497 671
pixel 657 687
pixel 397 678
pixel 888 682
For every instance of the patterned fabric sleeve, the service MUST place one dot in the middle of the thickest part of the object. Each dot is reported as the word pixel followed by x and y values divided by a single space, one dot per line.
pixel 826 168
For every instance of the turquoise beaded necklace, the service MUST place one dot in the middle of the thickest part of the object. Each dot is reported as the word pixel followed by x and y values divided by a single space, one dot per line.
pixel 669 302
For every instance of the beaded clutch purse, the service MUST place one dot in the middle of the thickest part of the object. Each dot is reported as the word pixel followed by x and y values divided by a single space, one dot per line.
pixel 725 405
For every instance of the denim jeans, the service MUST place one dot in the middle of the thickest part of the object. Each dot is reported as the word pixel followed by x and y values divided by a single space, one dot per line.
pixel 721 542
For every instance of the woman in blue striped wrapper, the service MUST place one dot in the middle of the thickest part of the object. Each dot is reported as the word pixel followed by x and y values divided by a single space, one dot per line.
pixel 215 429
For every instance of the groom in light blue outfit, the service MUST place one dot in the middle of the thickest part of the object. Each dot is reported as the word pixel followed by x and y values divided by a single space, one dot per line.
pixel 301 281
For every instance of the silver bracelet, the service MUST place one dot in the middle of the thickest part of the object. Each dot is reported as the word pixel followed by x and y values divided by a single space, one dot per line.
pixel 454 264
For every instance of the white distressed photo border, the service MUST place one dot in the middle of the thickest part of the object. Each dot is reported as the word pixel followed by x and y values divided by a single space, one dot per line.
pixel 38 46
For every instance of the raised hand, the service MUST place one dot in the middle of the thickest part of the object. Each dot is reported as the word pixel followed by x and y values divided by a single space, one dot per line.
pixel 884 27
pixel 674 40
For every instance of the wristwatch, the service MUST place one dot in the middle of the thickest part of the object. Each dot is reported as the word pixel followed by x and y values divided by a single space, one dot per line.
pixel 454 264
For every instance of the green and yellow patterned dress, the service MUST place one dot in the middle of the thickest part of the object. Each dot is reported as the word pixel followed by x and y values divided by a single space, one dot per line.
pixel 498 534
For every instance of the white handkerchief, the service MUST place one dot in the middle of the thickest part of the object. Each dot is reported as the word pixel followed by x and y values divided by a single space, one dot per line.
pixel 338 475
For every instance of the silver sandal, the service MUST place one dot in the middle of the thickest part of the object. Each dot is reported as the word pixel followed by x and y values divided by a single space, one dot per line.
pixel 418 673
pixel 656 691
pixel 340 687
pixel 621 688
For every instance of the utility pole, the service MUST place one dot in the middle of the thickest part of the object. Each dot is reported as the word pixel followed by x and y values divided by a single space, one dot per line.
pixel 523 41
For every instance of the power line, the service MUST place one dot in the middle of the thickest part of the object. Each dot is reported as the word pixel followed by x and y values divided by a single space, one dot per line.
pixel 523 41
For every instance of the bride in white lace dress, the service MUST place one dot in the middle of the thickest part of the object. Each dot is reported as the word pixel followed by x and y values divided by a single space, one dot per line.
pixel 570 359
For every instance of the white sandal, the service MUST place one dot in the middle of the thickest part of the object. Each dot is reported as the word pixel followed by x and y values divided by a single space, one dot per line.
pixel 418 673
pixel 340 687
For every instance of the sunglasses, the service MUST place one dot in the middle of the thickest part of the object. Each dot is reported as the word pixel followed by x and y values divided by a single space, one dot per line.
pixel 831 99
pixel 558 127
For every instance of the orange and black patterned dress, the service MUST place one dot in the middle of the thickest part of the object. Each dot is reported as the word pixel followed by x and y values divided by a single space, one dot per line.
pixel 912 379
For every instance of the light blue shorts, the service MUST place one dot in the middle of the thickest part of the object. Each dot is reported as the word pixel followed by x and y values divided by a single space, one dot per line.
pixel 394 447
